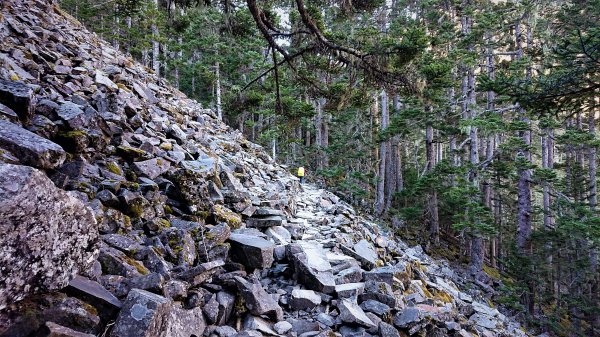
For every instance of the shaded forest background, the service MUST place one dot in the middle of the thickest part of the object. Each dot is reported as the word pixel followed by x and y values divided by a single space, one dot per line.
pixel 469 124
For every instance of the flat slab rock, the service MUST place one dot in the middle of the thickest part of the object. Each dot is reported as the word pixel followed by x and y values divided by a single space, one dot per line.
pixel 30 148
pixel 58 232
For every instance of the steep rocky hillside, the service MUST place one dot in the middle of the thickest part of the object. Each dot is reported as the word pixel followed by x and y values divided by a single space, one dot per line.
pixel 129 210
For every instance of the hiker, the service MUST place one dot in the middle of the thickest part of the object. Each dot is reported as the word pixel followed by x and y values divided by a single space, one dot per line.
pixel 301 174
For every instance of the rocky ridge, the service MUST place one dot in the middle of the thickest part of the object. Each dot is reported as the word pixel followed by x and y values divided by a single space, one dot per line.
pixel 132 211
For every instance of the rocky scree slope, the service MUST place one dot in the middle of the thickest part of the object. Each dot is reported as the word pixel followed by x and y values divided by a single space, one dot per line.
pixel 129 210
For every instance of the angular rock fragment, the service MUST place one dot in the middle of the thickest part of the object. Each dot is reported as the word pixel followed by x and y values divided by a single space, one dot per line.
pixel 349 289
pixel 350 312
pixel 30 148
pixel 251 251
pixel 311 267
pixel 387 330
pixel 407 317
pixel 257 300
pixel 304 299
pixel 201 273
pixel 93 292
pixel 152 168
pixel 183 322
pixel 144 314
pixel 264 222
pixel 48 235
pixel 55 330
pixel 364 252
pixel 375 307
pixel 19 97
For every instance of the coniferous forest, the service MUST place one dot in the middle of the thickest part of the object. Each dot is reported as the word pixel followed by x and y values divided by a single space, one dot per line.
pixel 470 125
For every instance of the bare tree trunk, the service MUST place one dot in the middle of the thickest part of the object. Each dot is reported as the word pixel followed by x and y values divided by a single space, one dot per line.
pixel 432 202
pixel 128 44
pixel 155 50
pixel 218 89
pixel 380 200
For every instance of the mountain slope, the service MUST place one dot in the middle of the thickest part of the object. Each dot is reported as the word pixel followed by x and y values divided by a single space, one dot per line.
pixel 181 227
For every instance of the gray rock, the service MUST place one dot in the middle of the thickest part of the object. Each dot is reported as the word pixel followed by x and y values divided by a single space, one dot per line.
pixel 258 324
pixel 366 251
pixel 19 97
pixel 144 314
pixel 407 317
pixel 387 330
pixel 225 331
pixel 57 231
pixel 30 148
pixel 483 321
pixel 152 282
pixel 103 80
pixel 379 291
pixel 257 300
pixel 349 289
pixel 252 251
pixel 175 289
pixel 282 327
pixel 55 330
pixel 304 299
pixel 326 319
pixel 226 303
pixel 375 307
pixel 176 133
pixel 387 274
pixel 201 273
pixel 300 326
pixel 264 222
pixel 73 115
pixel 183 322
pixel 152 168
pixel 279 235
pixel 349 275
pixel 93 292
pixel 350 312
pixel 311 267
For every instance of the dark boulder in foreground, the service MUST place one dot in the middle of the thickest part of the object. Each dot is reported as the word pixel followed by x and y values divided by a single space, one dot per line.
pixel 47 234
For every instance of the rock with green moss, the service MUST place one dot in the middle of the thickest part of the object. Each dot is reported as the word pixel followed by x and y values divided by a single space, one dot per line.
pixel 211 238
pixel 115 262
pixel 114 168
pixel 132 153
pixel 135 205
pixel 222 214
pixel 181 246
pixel 190 187
pixel 73 141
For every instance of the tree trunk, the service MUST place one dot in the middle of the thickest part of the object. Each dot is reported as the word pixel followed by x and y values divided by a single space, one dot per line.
pixel 432 202
pixel 218 89
pixel 380 200
pixel 155 50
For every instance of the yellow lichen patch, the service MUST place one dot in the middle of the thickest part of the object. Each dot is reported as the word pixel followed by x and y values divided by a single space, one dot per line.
pixel 442 296
pixel 114 168
pixel 223 214
pixel 137 265
pixel 492 272
pixel 166 146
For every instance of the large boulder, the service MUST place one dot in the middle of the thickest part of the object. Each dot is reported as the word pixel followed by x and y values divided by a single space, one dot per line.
pixel 48 235
pixel 30 148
